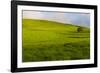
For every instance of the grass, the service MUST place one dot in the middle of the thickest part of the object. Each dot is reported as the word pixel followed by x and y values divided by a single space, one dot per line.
pixel 44 40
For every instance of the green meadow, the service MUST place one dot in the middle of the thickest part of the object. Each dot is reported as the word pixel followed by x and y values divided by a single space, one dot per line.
pixel 44 40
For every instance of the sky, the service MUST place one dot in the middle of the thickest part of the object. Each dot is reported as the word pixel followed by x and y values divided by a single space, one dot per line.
pixel 82 19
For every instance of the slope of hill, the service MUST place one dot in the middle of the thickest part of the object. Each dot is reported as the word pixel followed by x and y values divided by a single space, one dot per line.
pixel 49 41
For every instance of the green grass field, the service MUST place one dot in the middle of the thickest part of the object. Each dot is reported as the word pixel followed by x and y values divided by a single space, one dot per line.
pixel 44 40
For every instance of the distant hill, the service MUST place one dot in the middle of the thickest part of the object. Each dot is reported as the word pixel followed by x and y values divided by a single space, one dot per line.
pixel 50 25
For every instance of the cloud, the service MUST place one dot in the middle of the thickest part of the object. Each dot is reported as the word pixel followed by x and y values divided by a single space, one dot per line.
pixel 52 16
pixel 32 14
pixel 82 19
pixel 56 16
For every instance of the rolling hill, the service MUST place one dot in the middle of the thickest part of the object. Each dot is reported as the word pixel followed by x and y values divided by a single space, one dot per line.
pixel 45 40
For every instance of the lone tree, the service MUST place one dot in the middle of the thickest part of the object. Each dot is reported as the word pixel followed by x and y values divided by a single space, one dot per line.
pixel 79 29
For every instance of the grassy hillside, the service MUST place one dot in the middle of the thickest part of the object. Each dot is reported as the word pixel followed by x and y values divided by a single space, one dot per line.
pixel 49 41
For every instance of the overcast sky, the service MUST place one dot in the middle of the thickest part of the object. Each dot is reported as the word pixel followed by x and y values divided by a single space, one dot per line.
pixel 82 19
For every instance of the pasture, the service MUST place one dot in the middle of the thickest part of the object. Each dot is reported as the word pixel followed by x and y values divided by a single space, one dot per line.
pixel 44 40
